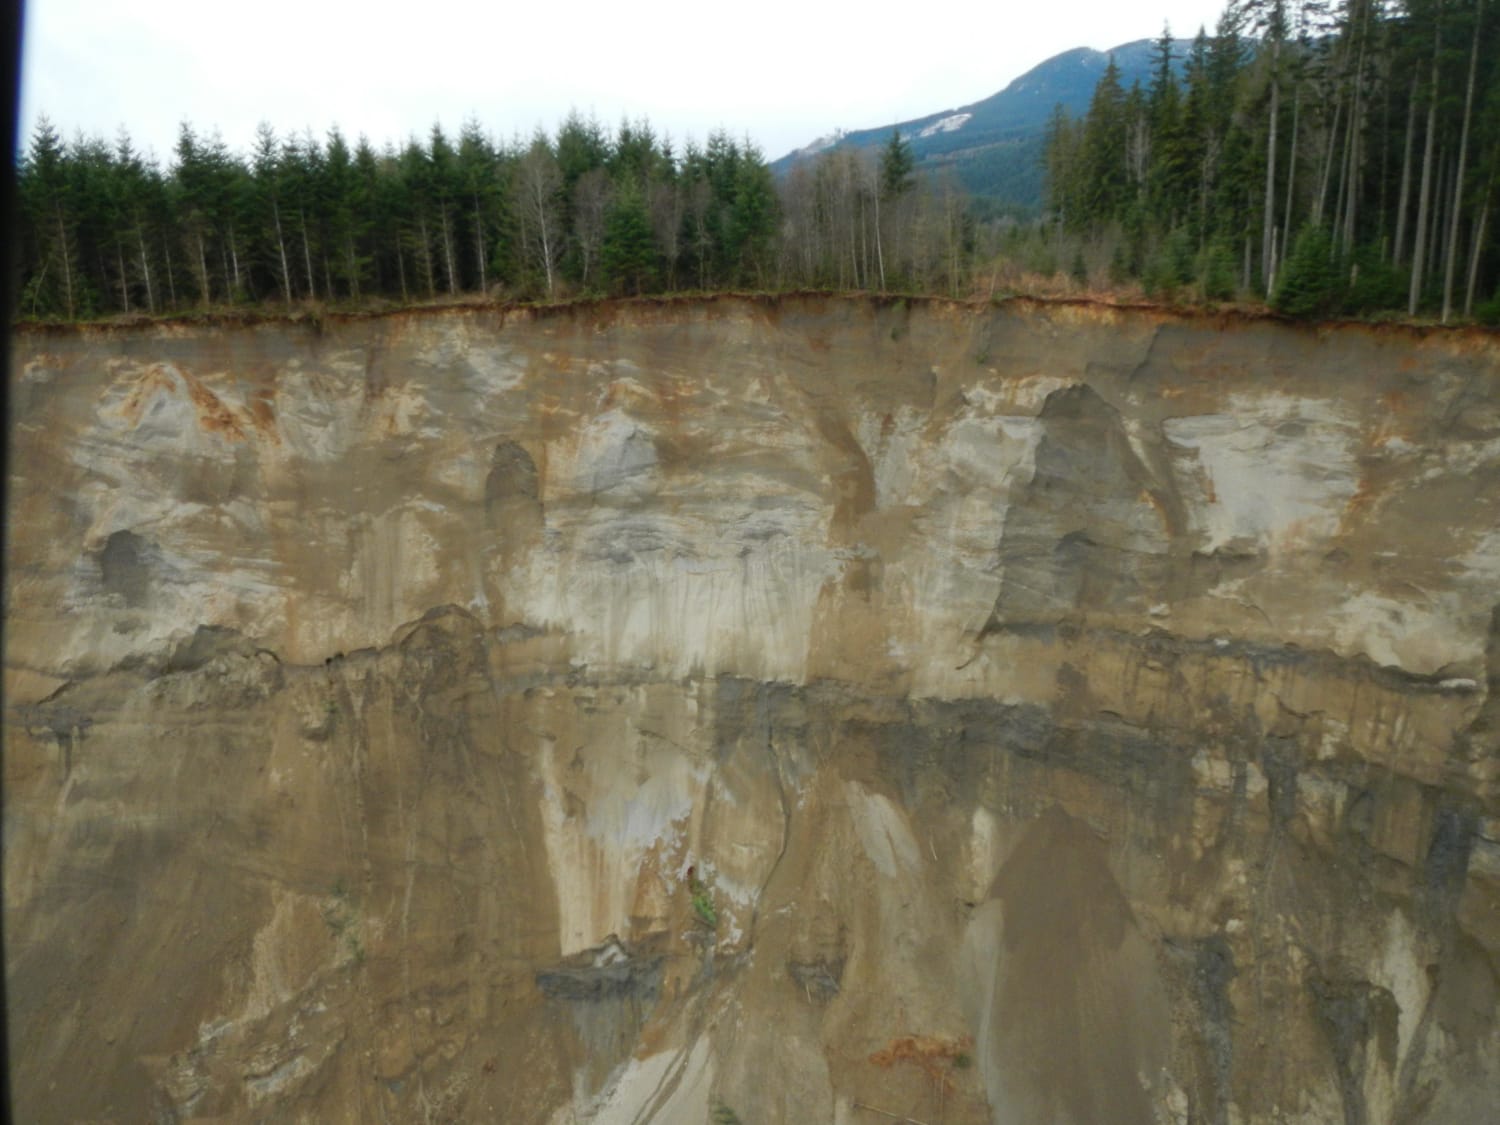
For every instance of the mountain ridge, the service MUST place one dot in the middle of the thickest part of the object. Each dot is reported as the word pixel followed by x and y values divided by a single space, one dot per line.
pixel 994 145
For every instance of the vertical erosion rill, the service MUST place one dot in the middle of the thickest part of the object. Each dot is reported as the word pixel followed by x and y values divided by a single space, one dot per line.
pixel 809 710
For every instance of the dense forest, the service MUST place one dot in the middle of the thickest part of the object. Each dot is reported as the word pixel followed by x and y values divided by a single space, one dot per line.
pixel 1330 156
pixel 105 231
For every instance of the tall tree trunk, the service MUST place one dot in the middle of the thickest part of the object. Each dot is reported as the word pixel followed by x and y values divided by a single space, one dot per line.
pixel 448 253
pixel 484 282
pixel 1404 203
pixel 1291 167
pixel 864 241
pixel 1438 223
pixel 171 280
pixel 1325 176
pixel 1356 167
pixel 1382 179
pixel 234 256
pixel 849 197
pixel 41 276
pixel 203 293
pixel 1458 181
pixel 1341 201
pixel 352 262
pixel 286 273
pixel 1348 209
pixel 1424 200
pixel 1357 113
pixel 1267 241
pixel 124 282
pixel 146 271
pixel 312 288
pixel 547 254
pixel 65 257
pixel 1477 249
pixel 401 268
pixel 427 271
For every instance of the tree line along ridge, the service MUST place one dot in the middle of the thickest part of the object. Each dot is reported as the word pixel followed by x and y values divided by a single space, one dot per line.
pixel 1327 156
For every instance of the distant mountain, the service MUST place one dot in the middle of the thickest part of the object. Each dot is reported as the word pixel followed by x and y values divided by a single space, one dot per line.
pixel 995 146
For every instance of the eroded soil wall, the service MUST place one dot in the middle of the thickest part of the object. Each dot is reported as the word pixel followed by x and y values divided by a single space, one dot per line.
pixel 1041 713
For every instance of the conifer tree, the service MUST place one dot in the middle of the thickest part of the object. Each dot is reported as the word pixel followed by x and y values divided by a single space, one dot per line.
pixel 752 218
pixel 896 164
pixel 1103 173
pixel 267 184
pixel 628 252
pixel 481 194
pixel 1309 286
pixel 46 202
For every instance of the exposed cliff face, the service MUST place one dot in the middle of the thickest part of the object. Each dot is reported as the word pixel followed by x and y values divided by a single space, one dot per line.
pixel 1032 714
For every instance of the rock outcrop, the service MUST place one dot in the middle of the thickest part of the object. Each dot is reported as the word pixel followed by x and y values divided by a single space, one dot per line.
pixel 776 711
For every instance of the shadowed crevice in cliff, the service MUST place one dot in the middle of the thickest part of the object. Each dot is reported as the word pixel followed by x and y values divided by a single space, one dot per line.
pixel 1093 528
pixel 125 565
pixel 209 643
pixel 607 993
pixel 512 494
pixel 1210 971
pixel 1360 1021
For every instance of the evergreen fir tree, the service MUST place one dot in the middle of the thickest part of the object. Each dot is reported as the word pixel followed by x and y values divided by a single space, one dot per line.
pixel 1309 285
pixel 896 164
pixel 629 253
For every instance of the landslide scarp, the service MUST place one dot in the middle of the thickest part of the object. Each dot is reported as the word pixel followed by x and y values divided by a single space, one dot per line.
pixel 636 711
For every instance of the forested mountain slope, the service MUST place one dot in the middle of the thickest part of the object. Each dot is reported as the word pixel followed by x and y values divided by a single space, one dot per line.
pixel 994 147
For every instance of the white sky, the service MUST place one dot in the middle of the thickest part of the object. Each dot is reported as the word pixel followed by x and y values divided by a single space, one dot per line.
pixel 782 71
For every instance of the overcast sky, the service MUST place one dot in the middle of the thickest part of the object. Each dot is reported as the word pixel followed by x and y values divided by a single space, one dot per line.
pixel 782 71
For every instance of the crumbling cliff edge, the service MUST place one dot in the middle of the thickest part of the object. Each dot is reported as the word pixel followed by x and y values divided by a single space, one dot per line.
pixel 779 708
